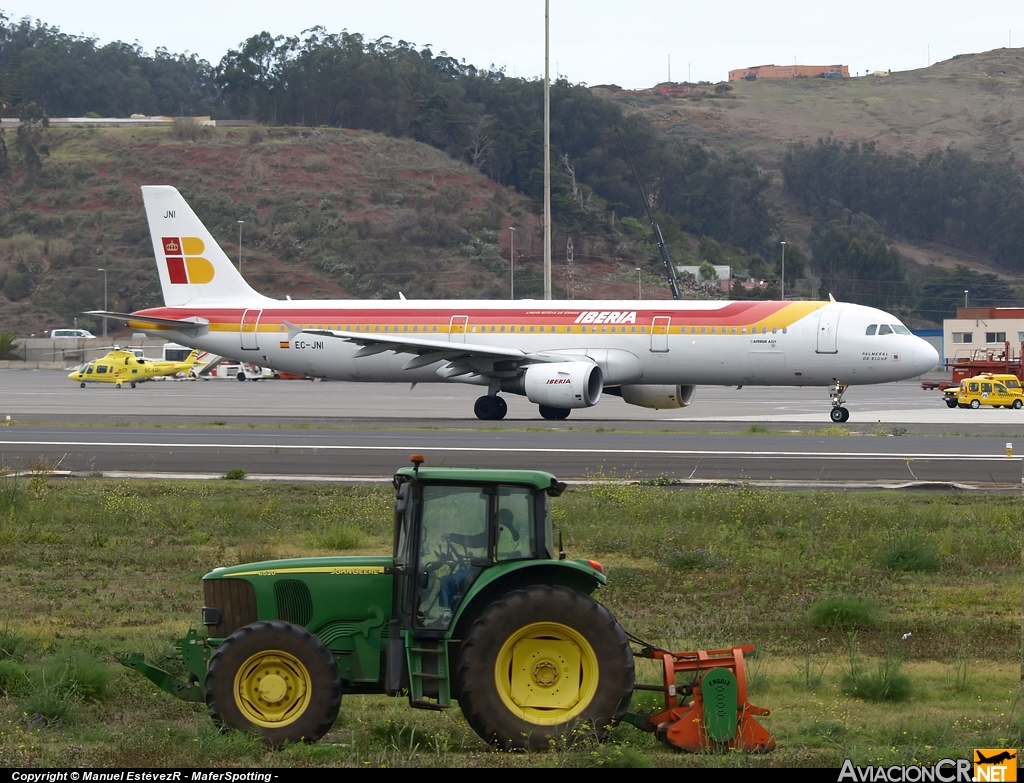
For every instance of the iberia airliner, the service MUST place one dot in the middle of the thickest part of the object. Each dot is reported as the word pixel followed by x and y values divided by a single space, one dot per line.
pixel 559 354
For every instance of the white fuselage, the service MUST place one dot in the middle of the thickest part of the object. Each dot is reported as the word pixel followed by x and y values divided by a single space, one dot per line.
pixel 782 343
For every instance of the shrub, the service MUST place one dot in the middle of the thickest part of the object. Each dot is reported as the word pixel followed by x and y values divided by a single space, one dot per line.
pixel 12 644
pixel 338 537
pixel 903 551
pixel 886 683
pixel 694 560
pixel 840 612
pixel 236 474
pixel 12 678
pixel 255 134
pixel 316 163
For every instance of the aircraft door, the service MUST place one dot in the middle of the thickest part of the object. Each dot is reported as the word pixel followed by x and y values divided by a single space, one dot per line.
pixel 659 333
pixel 828 328
pixel 249 330
pixel 457 329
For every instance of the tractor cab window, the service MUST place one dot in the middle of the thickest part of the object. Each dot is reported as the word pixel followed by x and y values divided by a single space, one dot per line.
pixel 454 531
pixel 516 530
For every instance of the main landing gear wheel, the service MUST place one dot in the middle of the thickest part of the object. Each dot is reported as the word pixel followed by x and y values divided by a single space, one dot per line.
pixel 82 384
pixel 133 384
pixel 544 664
pixel 839 415
pixel 490 408
pixel 276 679
pixel 554 414
pixel 117 385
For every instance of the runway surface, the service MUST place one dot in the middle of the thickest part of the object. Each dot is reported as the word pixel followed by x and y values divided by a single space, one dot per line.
pixel 338 430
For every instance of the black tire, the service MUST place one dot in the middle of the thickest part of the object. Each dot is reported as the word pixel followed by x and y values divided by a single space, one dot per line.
pixel 509 636
pixel 553 414
pixel 487 407
pixel 133 384
pixel 117 385
pixel 303 671
pixel 975 404
pixel 836 414
pixel 950 403
pixel 82 384
pixel 1017 405
pixel 241 375
pixel 502 408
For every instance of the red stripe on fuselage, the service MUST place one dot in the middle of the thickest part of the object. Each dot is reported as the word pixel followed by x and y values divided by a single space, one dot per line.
pixel 732 314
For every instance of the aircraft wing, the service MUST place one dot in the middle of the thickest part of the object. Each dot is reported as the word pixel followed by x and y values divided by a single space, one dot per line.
pixel 190 324
pixel 462 358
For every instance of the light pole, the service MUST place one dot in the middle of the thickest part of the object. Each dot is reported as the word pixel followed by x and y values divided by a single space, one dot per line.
pixel 512 264
pixel 104 271
pixel 639 285
pixel 783 270
pixel 966 291
pixel 240 222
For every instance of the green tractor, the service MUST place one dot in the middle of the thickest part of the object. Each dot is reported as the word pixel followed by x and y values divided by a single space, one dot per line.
pixel 477 604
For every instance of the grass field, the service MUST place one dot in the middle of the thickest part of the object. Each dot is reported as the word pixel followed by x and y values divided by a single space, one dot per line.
pixel 888 624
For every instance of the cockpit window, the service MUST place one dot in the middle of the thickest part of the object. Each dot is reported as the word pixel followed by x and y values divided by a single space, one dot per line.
pixel 900 329
pixel 871 329
pixel 885 329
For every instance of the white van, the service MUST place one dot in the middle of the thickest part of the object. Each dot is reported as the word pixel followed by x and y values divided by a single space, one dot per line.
pixel 79 334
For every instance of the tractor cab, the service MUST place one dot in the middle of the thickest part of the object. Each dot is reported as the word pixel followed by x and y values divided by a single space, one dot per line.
pixel 451 526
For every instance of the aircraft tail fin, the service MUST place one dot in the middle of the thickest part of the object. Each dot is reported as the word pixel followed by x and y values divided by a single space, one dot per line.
pixel 193 268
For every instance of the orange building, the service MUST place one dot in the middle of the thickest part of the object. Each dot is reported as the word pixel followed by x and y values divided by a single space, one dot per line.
pixel 789 72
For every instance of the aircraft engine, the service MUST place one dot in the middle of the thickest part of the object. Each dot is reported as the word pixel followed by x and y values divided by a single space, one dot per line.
pixel 561 385
pixel 658 397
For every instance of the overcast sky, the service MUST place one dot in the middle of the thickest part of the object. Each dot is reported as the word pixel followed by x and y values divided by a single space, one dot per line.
pixel 592 41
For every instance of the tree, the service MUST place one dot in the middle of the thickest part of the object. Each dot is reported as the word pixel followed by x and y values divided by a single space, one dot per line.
pixel 29 141
pixel 707 271
pixel 856 262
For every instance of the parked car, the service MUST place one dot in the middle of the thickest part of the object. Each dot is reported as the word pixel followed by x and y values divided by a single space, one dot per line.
pixel 80 334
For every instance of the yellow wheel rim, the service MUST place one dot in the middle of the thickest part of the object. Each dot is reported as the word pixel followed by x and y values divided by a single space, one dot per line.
pixel 546 673
pixel 272 688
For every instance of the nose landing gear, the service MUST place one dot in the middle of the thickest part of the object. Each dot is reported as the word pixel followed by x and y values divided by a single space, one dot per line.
pixel 839 414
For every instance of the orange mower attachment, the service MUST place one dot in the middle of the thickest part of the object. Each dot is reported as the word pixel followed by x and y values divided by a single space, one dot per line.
pixel 711 711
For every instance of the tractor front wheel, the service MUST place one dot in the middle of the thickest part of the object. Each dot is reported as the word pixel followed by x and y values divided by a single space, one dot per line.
pixel 542 665
pixel 276 679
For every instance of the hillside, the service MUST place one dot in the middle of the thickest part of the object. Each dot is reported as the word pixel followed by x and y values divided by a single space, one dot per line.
pixel 328 213
pixel 353 213
pixel 971 103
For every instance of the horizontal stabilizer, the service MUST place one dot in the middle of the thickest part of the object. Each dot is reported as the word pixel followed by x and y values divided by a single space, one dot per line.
pixel 190 325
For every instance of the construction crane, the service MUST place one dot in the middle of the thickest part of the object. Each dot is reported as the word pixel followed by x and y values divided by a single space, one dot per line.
pixel 673 282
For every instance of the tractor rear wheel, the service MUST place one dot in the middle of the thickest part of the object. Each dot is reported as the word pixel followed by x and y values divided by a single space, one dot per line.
pixel 541 665
pixel 276 679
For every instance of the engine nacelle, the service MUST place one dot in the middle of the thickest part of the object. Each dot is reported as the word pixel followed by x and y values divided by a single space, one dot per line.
pixel 658 397
pixel 560 385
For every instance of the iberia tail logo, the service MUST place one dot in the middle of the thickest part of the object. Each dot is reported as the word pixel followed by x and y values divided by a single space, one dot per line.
pixel 184 261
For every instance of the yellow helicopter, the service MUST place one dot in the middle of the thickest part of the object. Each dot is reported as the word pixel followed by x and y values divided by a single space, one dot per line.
pixel 120 366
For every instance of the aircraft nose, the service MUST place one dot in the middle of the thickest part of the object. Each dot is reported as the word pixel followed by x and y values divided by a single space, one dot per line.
pixel 926 358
